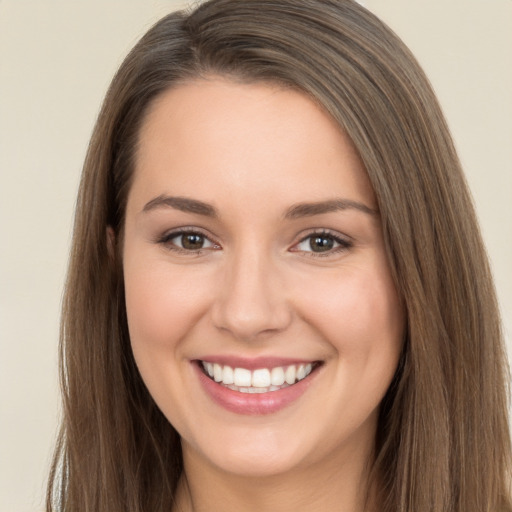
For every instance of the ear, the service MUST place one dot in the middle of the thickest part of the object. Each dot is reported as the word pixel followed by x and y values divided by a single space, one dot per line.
pixel 111 243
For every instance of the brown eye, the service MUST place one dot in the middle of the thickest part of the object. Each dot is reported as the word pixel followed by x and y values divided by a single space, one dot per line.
pixel 189 241
pixel 321 243
pixel 192 241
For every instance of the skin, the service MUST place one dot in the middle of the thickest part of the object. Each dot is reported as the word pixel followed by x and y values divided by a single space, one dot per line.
pixel 259 288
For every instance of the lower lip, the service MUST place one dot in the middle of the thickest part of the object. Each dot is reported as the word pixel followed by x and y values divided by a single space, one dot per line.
pixel 253 403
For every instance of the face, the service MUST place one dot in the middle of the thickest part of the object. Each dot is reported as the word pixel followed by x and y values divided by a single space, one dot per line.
pixel 261 310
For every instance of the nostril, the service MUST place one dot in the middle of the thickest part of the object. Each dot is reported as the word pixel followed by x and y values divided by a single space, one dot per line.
pixel 251 324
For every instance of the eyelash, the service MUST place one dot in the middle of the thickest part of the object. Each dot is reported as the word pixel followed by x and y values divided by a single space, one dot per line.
pixel 343 243
pixel 165 240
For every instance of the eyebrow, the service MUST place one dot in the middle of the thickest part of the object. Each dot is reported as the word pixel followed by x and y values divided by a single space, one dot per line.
pixel 333 205
pixel 183 204
pixel 296 211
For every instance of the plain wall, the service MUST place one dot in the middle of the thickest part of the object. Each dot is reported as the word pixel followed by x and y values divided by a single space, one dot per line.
pixel 56 60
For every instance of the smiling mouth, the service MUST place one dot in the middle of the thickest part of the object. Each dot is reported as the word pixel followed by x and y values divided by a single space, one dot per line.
pixel 261 380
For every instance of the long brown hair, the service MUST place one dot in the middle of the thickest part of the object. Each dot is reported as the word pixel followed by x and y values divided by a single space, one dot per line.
pixel 443 441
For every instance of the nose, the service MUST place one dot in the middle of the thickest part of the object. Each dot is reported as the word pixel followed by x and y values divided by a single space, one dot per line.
pixel 251 301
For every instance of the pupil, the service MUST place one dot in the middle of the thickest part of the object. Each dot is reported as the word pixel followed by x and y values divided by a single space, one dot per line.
pixel 192 241
pixel 321 243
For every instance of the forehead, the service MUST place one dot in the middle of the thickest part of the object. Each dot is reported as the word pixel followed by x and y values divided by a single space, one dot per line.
pixel 214 136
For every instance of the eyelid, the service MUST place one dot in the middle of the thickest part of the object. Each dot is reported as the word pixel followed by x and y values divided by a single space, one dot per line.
pixel 344 242
pixel 166 238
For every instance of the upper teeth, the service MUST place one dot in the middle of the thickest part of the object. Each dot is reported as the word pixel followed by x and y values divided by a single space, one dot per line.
pixel 260 378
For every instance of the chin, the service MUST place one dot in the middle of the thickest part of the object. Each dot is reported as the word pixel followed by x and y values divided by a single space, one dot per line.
pixel 249 455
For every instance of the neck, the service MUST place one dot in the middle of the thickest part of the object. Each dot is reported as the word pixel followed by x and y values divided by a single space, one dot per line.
pixel 326 487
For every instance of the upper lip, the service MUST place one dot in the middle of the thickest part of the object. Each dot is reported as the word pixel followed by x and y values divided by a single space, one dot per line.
pixel 256 362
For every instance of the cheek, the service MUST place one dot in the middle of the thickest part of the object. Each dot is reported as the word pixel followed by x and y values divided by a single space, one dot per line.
pixel 151 306
pixel 357 310
pixel 163 304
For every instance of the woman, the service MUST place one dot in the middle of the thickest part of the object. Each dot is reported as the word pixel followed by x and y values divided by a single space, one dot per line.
pixel 278 296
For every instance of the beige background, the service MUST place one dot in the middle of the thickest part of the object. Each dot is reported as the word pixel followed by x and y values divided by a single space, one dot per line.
pixel 56 60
